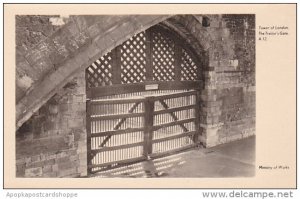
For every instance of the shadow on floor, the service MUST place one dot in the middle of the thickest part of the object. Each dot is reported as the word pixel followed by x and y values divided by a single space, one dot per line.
pixel 235 159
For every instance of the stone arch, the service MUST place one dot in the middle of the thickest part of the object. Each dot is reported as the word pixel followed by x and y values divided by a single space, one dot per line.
pixel 88 37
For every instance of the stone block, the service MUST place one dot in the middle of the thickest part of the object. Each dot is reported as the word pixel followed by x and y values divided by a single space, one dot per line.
pixel 103 44
pixel 40 164
pixel 93 52
pixel 64 166
pixel 20 161
pixel 24 82
pixel 62 160
pixel 21 168
pixel 47 169
pixel 42 67
pixel 34 172
pixel 234 63
pixel 234 137
pixel 126 29
pixel 212 141
pixel 82 39
pixel 75 122
pixel 222 140
pixel 50 156
pixel 94 30
pixel 72 28
pixel 52 174
pixel 72 152
pixel 210 132
pixel 40 52
pixel 20 173
pixel 77 99
pixel 82 155
pixel 35 158
pixel 67 172
pixel 74 157
pixel 61 154
pixel 55 167
pixel 82 171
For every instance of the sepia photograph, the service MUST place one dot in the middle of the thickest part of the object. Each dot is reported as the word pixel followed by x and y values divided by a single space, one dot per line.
pixel 149 96
pixel 134 96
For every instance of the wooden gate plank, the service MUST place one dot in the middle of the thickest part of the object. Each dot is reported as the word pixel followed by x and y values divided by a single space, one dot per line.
pixel 148 124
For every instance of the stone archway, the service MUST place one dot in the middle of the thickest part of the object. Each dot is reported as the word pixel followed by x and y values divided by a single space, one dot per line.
pixel 83 39
pixel 88 38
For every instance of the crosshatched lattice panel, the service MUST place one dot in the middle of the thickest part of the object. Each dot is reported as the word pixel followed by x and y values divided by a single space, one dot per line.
pixel 99 73
pixel 133 59
pixel 188 67
pixel 163 57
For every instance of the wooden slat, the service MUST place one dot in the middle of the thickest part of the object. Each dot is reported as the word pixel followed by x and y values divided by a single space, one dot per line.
pixel 123 115
pixel 197 121
pixel 177 62
pixel 174 136
pixel 170 110
pixel 138 87
pixel 178 122
pixel 118 101
pixel 117 132
pixel 116 65
pixel 112 148
pixel 175 95
pixel 149 62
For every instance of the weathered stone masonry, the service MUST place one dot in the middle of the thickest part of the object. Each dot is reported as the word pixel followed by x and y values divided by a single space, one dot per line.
pixel 228 97
pixel 50 83
pixel 53 142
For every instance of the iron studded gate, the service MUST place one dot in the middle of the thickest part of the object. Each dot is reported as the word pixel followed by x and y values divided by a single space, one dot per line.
pixel 127 130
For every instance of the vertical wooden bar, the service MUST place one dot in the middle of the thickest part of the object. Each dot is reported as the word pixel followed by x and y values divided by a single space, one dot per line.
pixel 148 125
pixel 116 65
pixel 197 115
pixel 88 130
pixel 149 63
pixel 177 62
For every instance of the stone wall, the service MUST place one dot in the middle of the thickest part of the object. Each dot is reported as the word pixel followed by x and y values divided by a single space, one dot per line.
pixel 236 84
pixel 228 98
pixel 228 53
pixel 53 142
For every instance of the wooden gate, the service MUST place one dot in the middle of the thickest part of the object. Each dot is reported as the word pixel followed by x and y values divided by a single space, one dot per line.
pixel 142 100
pixel 128 130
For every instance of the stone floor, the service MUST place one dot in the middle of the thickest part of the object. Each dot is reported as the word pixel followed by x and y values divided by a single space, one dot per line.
pixel 235 159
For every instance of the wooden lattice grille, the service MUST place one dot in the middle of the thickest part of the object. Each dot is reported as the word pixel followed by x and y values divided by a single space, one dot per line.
pixel 163 57
pixel 99 73
pixel 189 69
pixel 152 55
pixel 133 59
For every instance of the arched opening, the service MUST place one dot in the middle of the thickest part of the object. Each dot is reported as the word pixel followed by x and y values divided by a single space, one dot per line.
pixel 143 100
